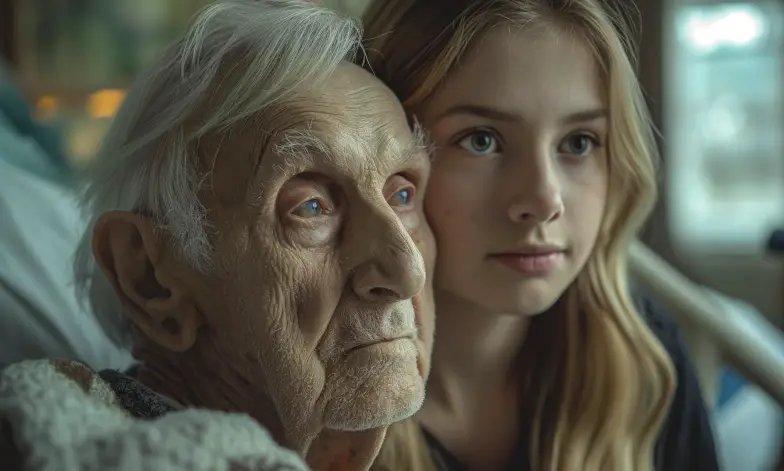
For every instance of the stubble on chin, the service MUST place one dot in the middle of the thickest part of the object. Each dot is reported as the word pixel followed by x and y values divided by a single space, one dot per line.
pixel 375 387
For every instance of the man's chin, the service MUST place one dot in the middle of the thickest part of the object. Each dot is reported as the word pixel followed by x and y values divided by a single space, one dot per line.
pixel 391 393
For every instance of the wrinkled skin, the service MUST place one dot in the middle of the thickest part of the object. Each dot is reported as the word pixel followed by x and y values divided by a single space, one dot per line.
pixel 319 237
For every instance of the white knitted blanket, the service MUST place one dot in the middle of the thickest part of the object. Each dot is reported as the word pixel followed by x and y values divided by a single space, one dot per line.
pixel 64 417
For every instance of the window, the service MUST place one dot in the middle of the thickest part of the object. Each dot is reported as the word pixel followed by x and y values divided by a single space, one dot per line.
pixel 725 125
pixel 77 57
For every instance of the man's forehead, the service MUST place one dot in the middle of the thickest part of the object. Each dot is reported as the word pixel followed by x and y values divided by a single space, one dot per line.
pixel 359 143
pixel 352 115
pixel 313 133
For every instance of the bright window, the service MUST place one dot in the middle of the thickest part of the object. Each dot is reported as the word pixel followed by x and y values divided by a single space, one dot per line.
pixel 725 133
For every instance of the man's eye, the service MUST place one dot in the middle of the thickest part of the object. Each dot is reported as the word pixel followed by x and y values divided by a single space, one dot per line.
pixel 310 209
pixel 402 198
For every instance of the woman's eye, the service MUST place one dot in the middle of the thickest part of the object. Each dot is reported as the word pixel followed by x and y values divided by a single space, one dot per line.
pixel 309 209
pixel 402 198
pixel 578 144
pixel 481 142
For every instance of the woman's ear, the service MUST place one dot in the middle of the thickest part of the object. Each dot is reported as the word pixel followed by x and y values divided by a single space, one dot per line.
pixel 134 256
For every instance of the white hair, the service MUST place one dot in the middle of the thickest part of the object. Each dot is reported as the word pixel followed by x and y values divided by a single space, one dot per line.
pixel 270 49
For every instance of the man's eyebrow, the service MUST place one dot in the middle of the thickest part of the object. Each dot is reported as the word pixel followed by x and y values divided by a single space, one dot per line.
pixel 414 151
pixel 420 145
pixel 499 114
pixel 300 144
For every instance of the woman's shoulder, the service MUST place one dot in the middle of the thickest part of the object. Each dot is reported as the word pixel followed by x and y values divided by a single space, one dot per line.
pixel 686 441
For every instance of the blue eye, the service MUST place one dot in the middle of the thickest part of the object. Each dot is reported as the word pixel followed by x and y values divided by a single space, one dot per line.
pixel 309 209
pixel 480 142
pixel 402 198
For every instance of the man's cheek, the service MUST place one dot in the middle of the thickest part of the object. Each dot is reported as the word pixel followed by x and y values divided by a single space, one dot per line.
pixel 281 310
pixel 424 301
pixel 311 303
pixel 425 242
pixel 425 322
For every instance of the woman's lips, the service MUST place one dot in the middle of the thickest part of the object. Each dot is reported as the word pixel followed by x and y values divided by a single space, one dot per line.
pixel 531 264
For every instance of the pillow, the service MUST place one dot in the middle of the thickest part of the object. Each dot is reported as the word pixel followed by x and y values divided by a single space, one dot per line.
pixel 40 225
pixel 17 115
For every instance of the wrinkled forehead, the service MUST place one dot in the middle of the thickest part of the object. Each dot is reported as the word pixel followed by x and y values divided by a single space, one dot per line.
pixel 356 137
pixel 348 134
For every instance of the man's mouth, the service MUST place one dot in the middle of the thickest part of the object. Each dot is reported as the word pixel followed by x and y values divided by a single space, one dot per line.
pixel 380 341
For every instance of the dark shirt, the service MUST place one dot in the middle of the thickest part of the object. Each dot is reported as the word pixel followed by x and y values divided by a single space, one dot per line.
pixel 686 442
pixel 139 400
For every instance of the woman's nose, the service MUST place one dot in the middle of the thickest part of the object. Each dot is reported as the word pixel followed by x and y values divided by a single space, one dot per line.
pixel 536 190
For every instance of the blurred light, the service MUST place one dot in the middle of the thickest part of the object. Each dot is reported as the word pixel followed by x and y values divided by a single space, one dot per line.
pixel 46 106
pixel 104 103
pixel 736 26
pixel 724 120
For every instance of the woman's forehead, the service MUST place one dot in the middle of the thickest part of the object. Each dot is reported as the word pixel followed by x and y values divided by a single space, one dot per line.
pixel 529 72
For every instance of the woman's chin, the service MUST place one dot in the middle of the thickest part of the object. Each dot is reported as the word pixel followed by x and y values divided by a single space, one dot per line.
pixel 523 301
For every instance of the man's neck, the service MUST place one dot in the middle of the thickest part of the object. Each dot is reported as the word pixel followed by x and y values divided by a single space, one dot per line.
pixel 345 451
pixel 187 379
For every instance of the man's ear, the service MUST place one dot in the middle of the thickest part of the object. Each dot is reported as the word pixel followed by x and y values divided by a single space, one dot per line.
pixel 133 255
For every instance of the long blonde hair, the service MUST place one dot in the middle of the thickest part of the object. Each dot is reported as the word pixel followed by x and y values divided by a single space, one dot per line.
pixel 597 382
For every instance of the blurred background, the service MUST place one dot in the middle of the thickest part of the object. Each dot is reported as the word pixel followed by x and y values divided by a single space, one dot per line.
pixel 712 72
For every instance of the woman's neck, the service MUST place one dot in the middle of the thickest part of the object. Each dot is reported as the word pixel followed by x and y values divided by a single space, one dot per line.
pixel 474 354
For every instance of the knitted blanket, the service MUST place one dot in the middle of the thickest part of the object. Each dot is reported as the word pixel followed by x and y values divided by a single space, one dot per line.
pixel 62 416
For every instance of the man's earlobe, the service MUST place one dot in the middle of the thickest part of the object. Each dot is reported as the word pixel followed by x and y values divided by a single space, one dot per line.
pixel 135 259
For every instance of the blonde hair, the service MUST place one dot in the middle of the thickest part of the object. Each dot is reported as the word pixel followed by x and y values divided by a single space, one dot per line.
pixel 597 397
pixel 238 58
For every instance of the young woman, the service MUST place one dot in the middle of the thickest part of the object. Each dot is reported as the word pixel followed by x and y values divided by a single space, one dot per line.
pixel 544 170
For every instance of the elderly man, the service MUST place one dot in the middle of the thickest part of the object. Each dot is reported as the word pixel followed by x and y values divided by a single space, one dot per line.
pixel 257 239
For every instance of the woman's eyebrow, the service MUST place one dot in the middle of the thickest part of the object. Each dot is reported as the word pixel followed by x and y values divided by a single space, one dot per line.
pixel 499 114
pixel 585 116
pixel 481 111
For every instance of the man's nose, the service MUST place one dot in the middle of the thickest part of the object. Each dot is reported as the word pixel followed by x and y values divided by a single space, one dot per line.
pixel 535 189
pixel 390 267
